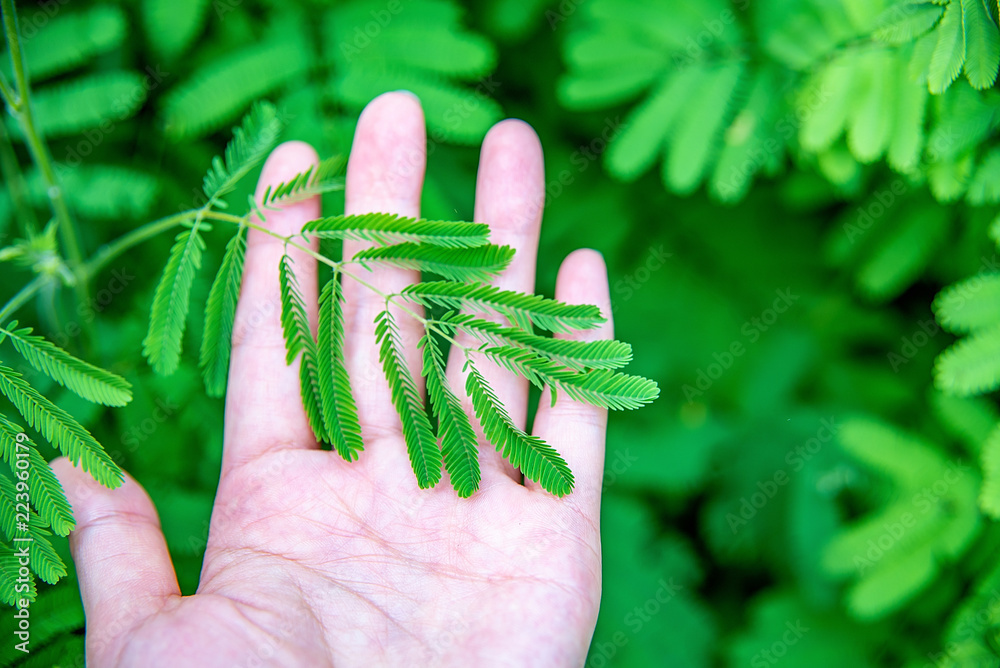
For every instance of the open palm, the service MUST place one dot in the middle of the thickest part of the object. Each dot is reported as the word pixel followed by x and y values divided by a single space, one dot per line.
pixel 314 561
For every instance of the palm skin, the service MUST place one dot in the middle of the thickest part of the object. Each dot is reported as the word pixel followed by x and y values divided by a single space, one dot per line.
pixel 314 561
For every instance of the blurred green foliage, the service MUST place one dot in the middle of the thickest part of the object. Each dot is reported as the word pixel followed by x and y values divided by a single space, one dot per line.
pixel 813 488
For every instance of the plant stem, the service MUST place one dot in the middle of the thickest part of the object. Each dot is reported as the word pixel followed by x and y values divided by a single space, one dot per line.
pixel 22 297
pixel 39 151
pixel 339 266
pixel 16 185
pixel 7 93
pixel 110 251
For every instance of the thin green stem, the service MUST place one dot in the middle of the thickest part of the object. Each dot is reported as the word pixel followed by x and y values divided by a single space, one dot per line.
pixel 22 297
pixel 110 251
pixel 8 95
pixel 39 151
pixel 16 185
pixel 339 266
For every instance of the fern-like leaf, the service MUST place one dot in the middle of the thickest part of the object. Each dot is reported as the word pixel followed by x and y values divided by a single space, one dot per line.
pixel 904 22
pixel 389 228
pixel 71 39
pixel 298 339
pixel 168 318
pixel 600 387
pixel 535 458
pixel 577 355
pixel 971 305
pixel 457 264
pixel 971 366
pixel 63 109
pixel 982 44
pixel 989 496
pixel 523 310
pixel 59 428
pixel 425 456
pixel 219 91
pixel 949 52
pixel 339 410
pixel 43 559
pixel 220 313
pixel 47 494
pixel 318 179
pixel 459 443
pixel 251 142
pixel 86 380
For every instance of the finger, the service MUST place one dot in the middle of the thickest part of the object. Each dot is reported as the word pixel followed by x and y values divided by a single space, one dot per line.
pixel 575 429
pixel 264 406
pixel 385 174
pixel 121 558
pixel 510 196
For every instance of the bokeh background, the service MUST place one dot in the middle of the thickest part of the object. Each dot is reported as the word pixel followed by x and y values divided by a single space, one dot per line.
pixel 782 188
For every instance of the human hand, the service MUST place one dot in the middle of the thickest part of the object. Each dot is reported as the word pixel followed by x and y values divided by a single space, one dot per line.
pixel 315 561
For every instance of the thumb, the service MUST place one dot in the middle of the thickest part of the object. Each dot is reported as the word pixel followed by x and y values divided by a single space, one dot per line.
pixel 121 558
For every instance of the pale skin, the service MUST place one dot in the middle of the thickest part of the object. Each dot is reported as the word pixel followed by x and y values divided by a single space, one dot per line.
pixel 314 561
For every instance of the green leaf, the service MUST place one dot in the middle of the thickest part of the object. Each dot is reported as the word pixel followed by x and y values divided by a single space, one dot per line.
pixel 47 494
pixel 982 44
pixel 949 52
pixel 220 314
pixel 989 496
pixel 67 108
pixel 43 559
pixel 173 24
pixel 577 355
pixel 59 428
pixel 457 264
pixel 969 306
pixel 251 143
pixel 217 93
pixel 522 309
pixel 299 339
pixel 459 443
pixel 985 186
pixel 971 366
pixel 869 123
pixel 86 380
pixel 389 228
pixel 906 21
pixel 71 39
pixel 646 129
pixel 907 140
pixel 697 135
pixel 340 413
pixel 600 387
pixel 535 458
pixel 425 456
pixel 168 318
pixel 318 179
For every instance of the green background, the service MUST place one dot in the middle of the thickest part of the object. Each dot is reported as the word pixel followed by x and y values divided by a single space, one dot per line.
pixel 780 188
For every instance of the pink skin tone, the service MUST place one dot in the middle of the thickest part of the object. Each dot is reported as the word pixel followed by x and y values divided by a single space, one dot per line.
pixel 313 561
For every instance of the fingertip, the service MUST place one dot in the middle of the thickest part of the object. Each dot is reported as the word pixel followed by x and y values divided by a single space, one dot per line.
pixel 401 109
pixel 583 279
pixel 513 132
pixel 92 501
